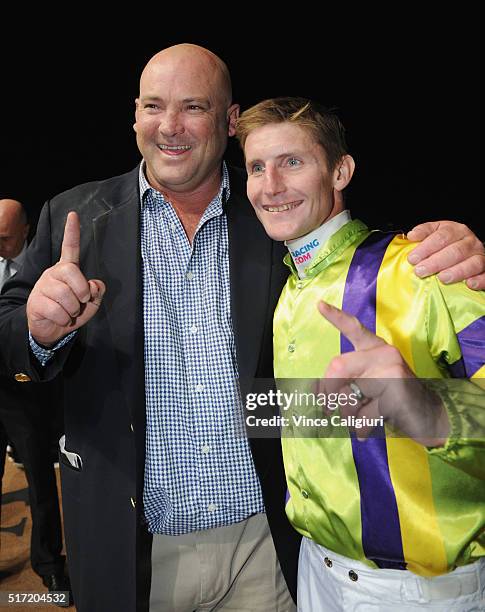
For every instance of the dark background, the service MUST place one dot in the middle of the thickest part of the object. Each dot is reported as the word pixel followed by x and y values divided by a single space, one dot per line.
pixel 409 94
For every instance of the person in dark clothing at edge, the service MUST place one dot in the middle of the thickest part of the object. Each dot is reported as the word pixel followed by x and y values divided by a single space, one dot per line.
pixel 26 419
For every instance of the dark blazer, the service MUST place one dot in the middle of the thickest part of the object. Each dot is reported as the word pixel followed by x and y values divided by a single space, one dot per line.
pixel 104 392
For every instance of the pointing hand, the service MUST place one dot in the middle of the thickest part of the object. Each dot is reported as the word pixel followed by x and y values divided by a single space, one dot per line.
pixel 63 300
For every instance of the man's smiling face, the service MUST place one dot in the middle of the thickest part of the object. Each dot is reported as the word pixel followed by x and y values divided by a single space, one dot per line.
pixel 289 183
pixel 183 119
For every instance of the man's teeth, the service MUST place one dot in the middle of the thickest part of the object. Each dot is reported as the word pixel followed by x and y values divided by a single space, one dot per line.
pixel 282 208
pixel 174 148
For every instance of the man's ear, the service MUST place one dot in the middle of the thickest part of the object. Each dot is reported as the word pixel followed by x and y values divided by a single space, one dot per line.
pixel 232 117
pixel 137 104
pixel 343 172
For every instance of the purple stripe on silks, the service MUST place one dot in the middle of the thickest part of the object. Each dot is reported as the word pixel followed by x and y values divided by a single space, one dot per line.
pixel 471 345
pixel 287 496
pixel 381 531
pixel 457 369
pixel 361 284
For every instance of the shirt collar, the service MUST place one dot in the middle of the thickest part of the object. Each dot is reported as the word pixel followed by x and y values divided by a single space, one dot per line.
pixel 303 250
pixel 331 250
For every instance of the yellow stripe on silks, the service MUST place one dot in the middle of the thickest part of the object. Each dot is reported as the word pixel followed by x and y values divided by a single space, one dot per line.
pixel 408 460
pixel 479 377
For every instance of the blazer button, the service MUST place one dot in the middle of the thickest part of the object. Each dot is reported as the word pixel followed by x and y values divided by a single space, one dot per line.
pixel 21 377
pixel 131 427
pixel 328 562
pixel 133 502
pixel 353 576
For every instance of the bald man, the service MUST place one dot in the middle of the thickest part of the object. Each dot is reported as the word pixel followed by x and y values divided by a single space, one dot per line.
pixel 155 300
pixel 26 414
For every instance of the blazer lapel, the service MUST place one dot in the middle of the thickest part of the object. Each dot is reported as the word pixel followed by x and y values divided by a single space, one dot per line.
pixel 117 244
pixel 250 258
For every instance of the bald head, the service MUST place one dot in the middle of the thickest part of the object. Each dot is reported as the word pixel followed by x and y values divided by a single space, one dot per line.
pixel 192 59
pixel 13 228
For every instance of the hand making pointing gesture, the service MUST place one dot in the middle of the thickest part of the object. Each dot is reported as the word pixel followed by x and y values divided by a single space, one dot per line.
pixel 386 385
pixel 63 300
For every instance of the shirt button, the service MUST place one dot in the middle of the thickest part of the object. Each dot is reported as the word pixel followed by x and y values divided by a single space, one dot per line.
pixel 189 275
pixel 299 285
pixel 305 494
pixel 211 507
pixel 353 576
pixel 193 329
pixel 206 449
pixel 291 348
pixel 199 387
pixel 172 226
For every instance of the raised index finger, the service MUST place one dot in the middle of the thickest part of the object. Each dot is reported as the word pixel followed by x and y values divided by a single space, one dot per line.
pixel 350 327
pixel 72 240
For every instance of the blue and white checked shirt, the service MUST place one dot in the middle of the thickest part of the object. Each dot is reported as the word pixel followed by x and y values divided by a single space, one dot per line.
pixel 199 471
